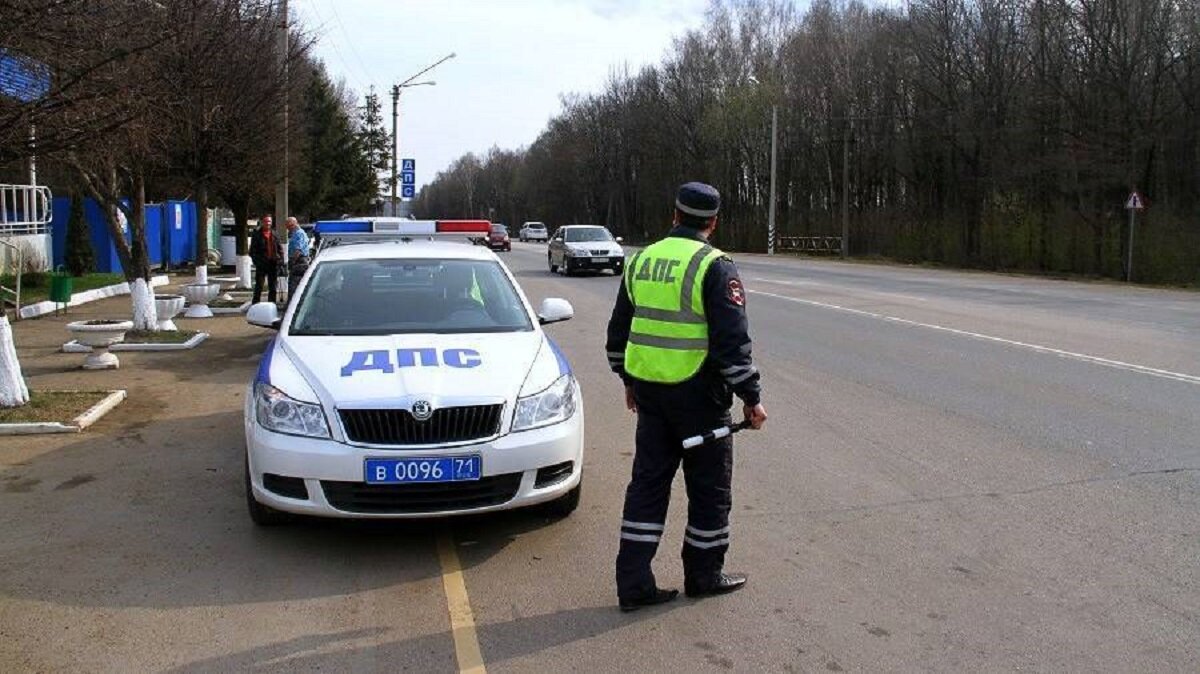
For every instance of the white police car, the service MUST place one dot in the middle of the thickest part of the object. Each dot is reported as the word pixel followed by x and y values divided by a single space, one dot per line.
pixel 410 378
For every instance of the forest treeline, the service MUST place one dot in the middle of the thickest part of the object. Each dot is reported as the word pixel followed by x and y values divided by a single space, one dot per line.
pixel 1003 134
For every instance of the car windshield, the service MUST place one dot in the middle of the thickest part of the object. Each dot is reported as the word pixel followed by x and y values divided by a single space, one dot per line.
pixel 577 234
pixel 535 225
pixel 388 297
pixel 499 229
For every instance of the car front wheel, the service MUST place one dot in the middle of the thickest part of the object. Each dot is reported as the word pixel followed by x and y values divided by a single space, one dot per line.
pixel 263 516
pixel 564 505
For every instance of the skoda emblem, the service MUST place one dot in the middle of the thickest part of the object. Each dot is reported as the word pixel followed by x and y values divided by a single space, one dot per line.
pixel 422 410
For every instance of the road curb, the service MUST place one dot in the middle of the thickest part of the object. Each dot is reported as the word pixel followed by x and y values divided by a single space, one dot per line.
pixel 74 346
pixel 91 416
pixel 47 307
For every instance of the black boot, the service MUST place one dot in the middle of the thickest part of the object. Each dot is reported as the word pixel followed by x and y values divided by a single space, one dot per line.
pixel 656 597
pixel 724 583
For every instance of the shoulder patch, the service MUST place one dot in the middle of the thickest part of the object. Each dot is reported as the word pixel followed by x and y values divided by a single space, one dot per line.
pixel 737 294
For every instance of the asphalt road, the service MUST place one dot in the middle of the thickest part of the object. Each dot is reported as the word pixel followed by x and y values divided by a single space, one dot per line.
pixel 961 472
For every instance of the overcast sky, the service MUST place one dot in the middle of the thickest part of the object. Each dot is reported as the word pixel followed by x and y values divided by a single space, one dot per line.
pixel 515 57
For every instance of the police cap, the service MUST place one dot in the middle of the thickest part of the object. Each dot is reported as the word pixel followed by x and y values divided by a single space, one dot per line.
pixel 698 199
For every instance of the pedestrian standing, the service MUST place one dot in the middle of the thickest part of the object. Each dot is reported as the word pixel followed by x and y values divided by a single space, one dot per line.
pixel 297 255
pixel 678 339
pixel 266 252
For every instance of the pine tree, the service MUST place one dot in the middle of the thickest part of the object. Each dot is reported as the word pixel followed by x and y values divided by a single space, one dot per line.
pixel 333 174
pixel 80 257
pixel 375 139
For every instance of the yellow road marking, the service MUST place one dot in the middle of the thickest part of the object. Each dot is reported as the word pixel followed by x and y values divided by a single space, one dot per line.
pixel 462 620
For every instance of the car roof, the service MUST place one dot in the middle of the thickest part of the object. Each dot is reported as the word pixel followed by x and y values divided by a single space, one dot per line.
pixel 367 250
pixel 584 227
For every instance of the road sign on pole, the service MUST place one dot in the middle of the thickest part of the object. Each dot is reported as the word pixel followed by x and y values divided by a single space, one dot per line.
pixel 23 79
pixel 408 191
pixel 408 165
pixel 1133 204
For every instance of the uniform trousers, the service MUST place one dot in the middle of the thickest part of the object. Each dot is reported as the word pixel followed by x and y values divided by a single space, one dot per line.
pixel 668 413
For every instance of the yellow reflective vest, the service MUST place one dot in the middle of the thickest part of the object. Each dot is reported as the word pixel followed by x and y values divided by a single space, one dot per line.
pixel 668 338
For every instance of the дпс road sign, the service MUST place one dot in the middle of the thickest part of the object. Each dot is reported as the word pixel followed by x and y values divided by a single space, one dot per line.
pixel 23 79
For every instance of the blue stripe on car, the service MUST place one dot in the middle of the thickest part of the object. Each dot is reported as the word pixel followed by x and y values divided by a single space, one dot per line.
pixel 264 364
pixel 564 367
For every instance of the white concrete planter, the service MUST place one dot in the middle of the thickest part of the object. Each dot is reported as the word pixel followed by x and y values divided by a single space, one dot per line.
pixel 99 336
pixel 168 307
pixel 198 296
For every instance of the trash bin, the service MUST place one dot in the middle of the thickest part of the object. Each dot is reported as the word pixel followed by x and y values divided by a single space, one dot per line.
pixel 61 284
pixel 228 242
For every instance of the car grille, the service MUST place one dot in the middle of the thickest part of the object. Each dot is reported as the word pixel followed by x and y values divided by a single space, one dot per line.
pixel 421 497
pixel 598 252
pixel 398 427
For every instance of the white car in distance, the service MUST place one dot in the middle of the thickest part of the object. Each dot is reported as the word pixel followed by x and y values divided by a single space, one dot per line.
pixel 410 377
pixel 533 231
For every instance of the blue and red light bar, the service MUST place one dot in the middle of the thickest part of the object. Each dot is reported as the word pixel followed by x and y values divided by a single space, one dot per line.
pixel 402 227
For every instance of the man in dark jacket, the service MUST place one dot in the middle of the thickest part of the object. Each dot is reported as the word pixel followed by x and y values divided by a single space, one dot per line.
pixel 266 252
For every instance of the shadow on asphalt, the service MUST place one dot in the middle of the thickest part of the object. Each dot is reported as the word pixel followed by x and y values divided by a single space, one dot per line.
pixel 499 642
pixel 151 513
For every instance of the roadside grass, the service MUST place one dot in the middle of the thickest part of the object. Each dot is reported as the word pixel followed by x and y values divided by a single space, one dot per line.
pixel 51 406
pixel 159 337
pixel 36 287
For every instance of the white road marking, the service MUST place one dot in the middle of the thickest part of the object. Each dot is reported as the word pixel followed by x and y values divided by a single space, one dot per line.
pixel 888 295
pixel 1083 357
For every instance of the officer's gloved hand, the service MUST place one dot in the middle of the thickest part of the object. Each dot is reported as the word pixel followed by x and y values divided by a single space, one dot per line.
pixel 755 414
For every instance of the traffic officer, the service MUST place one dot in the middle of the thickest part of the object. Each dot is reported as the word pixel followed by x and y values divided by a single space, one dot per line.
pixel 678 339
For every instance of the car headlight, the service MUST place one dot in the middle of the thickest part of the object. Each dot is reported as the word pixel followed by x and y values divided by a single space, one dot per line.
pixel 551 406
pixel 277 412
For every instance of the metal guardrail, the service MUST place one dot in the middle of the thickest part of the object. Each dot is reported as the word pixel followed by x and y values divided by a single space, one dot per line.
pixel 810 244
pixel 15 292
pixel 25 209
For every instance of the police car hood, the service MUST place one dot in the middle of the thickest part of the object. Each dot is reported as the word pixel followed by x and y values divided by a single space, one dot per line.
pixel 396 370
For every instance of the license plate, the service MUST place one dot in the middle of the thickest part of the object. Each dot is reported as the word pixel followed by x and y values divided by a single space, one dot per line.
pixel 444 469
pixel 600 260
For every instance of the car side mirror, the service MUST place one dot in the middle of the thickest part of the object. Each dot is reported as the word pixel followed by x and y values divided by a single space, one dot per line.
pixel 620 239
pixel 554 310
pixel 264 315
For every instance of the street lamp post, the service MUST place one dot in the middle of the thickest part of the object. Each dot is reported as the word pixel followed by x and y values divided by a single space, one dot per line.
pixel 395 138
pixel 771 209
pixel 774 145
pixel 396 115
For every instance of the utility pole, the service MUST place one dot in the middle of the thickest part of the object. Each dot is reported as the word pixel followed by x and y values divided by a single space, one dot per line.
pixel 32 155
pixel 771 208
pixel 281 189
pixel 395 142
pixel 846 193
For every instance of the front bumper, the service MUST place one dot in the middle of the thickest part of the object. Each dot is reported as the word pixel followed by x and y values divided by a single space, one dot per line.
pixel 578 263
pixel 332 474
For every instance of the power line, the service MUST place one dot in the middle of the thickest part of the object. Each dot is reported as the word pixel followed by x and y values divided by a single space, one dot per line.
pixel 349 40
